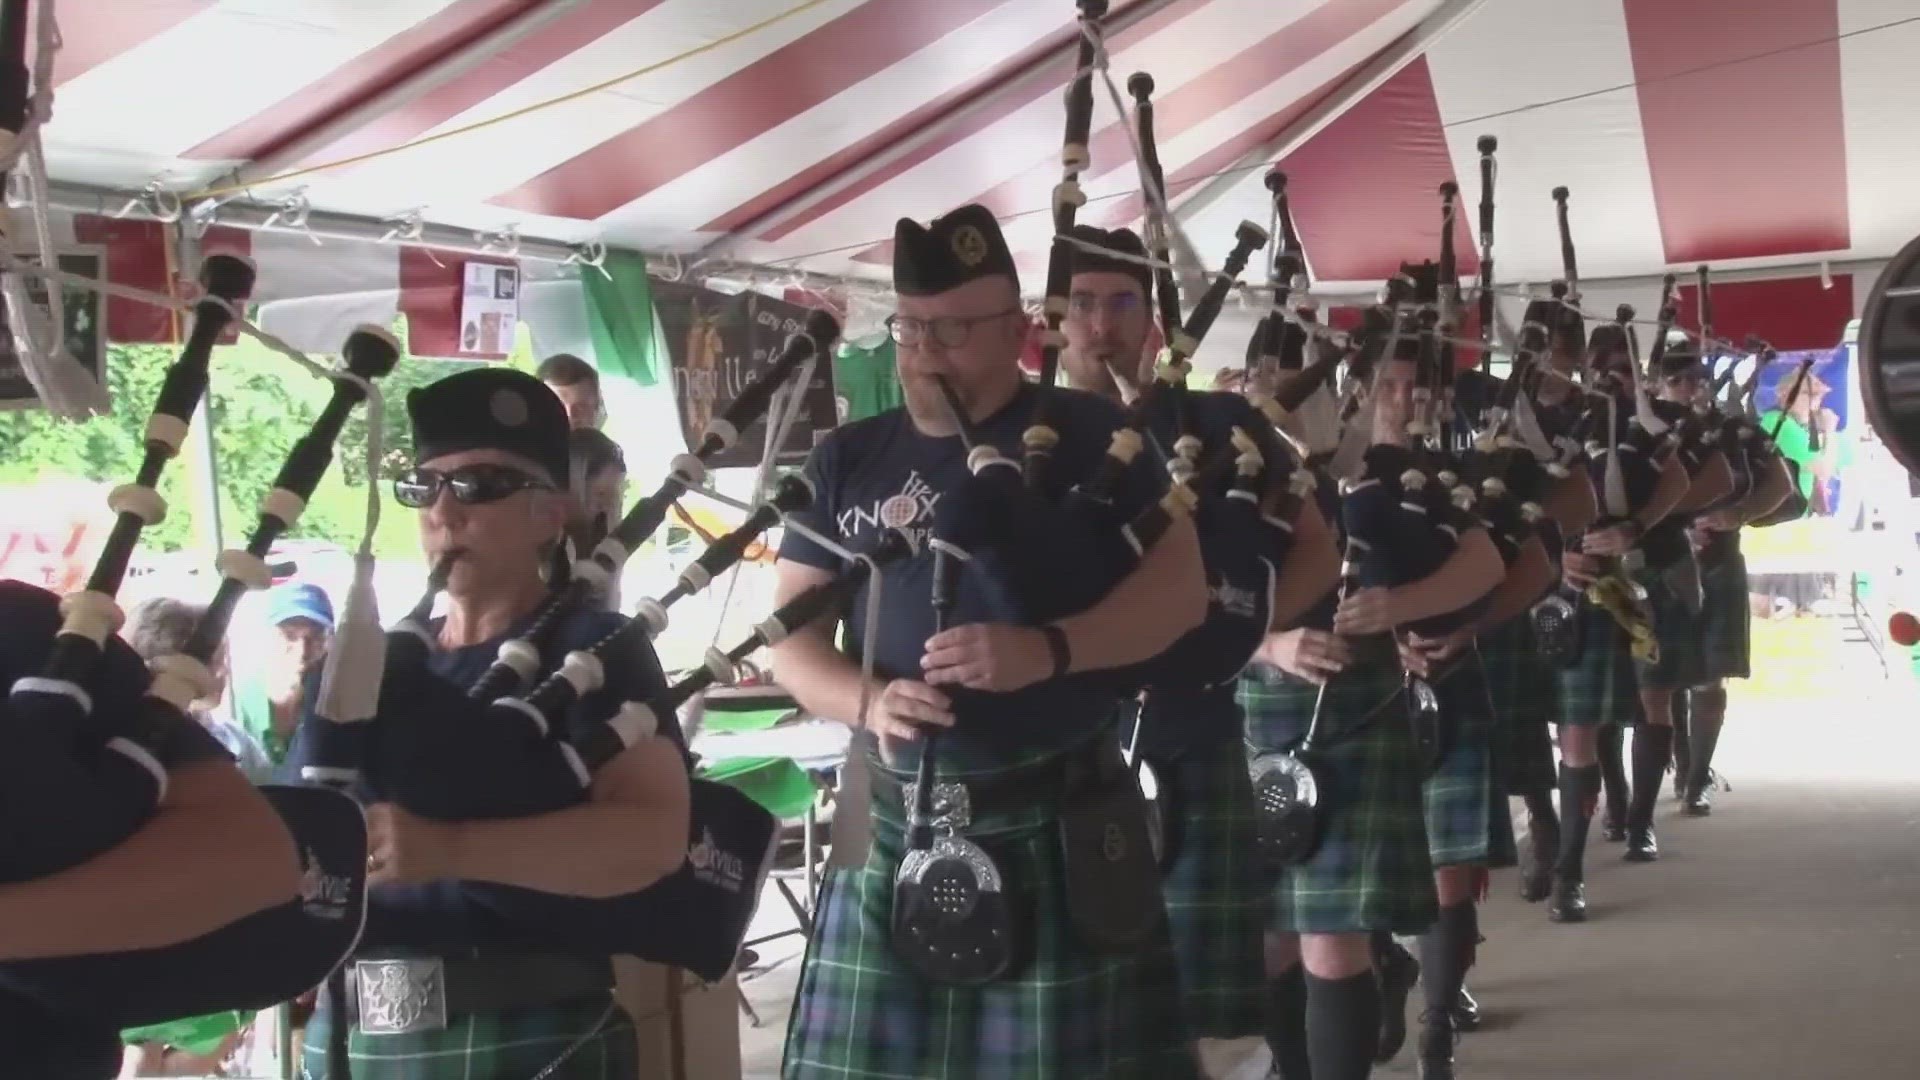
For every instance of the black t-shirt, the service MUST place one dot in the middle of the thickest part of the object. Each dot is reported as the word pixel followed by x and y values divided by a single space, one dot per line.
pixel 44 1046
pixel 1177 720
pixel 882 472
pixel 440 917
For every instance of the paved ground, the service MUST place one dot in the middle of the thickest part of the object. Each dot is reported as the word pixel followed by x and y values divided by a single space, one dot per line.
pixel 1777 940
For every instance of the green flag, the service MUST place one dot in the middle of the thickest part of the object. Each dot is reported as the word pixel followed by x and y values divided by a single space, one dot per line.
pixel 620 317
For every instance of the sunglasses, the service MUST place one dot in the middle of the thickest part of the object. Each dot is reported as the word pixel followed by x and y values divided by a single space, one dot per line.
pixel 472 485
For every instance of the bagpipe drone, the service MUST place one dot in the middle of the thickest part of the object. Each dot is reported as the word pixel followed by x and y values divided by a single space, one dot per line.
pixel 522 751
pixel 85 746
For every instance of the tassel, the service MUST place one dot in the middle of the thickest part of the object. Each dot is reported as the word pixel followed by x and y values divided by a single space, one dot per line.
pixel 350 685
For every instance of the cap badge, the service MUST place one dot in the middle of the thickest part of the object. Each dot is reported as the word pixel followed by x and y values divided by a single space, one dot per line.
pixel 970 246
pixel 509 408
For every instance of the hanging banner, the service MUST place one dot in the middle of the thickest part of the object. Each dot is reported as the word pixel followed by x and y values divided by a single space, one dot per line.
pixel 718 344
pixel 85 338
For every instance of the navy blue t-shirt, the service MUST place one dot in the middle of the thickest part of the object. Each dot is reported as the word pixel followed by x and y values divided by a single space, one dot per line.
pixel 882 472
pixel 440 917
pixel 1185 719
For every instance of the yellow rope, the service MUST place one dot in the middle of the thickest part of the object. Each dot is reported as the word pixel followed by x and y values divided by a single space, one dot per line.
pixel 802 8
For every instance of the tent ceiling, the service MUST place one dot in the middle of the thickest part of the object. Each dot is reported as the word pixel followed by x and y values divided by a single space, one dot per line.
pixel 1710 130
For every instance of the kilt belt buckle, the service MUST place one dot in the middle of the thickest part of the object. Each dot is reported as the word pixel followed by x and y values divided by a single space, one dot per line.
pixel 401 996
pixel 952 806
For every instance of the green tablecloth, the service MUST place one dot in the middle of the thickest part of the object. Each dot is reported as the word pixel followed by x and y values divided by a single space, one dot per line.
pixel 194 1035
pixel 720 718
pixel 776 783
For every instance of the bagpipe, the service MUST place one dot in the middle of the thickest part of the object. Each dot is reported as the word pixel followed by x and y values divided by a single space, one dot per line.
pixel 439 751
pixel 88 741
pixel 1624 443
pixel 1044 550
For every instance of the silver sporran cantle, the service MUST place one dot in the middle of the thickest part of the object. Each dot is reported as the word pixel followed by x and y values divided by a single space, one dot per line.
pixel 951 920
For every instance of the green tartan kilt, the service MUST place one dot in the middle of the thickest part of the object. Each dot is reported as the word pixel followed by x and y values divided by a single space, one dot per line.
pixel 513 1045
pixel 1726 622
pixel 1677 629
pixel 1526 703
pixel 1217 891
pixel 1371 870
pixel 1062 1010
pixel 1466 811
pixel 1600 687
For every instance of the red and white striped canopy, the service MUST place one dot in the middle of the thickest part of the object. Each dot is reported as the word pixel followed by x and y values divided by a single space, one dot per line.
pixel 1732 132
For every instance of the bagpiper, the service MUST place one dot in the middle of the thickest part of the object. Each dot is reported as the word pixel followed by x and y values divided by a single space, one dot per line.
pixel 968 944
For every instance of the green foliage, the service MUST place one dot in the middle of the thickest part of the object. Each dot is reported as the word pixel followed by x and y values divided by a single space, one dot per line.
pixel 260 403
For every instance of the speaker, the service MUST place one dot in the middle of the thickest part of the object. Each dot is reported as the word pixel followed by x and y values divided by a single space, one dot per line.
pixel 1889 357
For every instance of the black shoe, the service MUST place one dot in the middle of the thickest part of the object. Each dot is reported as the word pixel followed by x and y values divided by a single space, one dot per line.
pixel 1641 846
pixel 1399 973
pixel 1612 831
pixel 1569 903
pixel 1466 1012
pixel 1699 803
pixel 1437 1037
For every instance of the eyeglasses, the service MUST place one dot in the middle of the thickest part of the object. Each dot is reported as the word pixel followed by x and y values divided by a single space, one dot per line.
pixel 1086 305
pixel 949 331
pixel 472 485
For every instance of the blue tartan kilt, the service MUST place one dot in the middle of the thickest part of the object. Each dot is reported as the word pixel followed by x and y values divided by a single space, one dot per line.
pixel 1600 686
pixel 513 1045
pixel 1371 870
pixel 1466 811
pixel 1063 1010
pixel 1217 890
pixel 1526 703
pixel 1726 621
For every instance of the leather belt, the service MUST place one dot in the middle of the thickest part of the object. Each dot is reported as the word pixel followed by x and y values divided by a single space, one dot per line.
pixel 1044 783
pixel 399 995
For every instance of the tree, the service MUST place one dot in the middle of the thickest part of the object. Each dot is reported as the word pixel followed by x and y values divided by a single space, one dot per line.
pixel 259 404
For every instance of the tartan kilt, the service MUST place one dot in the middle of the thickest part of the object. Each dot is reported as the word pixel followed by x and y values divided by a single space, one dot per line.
pixel 1467 817
pixel 1726 621
pixel 512 1045
pixel 1371 870
pixel 1526 702
pixel 1678 631
pixel 1062 1010
pixel 1600 687
pixel 1217 891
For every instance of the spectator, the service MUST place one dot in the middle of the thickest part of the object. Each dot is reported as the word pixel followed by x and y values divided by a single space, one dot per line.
pixel 270 701
pixel 197 1046
pixel 599 483
pixel 161 626
pixel 577 385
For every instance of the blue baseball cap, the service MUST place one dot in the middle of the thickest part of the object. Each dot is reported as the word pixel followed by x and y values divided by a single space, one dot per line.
pixel 299 600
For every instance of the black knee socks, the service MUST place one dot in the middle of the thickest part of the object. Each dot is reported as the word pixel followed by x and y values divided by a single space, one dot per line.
pixel 1578 786
pixel 1287 1024
pixel 1343 1026
pixel 1652 745
pixel 1613 773
pixel 1446 951
pixel 1682 735
pixel 1709 713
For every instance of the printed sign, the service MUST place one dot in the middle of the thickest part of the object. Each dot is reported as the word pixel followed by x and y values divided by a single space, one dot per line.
pixel 719 345
pixel 489 309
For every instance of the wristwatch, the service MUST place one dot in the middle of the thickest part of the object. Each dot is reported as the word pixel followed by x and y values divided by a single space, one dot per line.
pixel 1057 645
